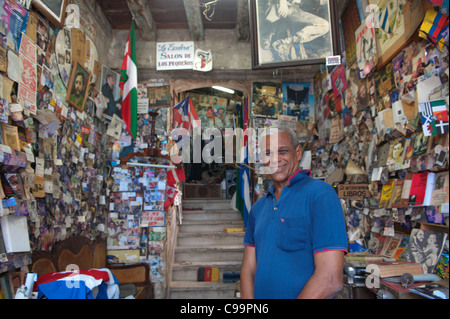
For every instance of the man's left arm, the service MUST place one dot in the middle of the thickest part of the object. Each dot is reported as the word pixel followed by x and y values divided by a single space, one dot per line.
pixel 330 244
pixel 327 278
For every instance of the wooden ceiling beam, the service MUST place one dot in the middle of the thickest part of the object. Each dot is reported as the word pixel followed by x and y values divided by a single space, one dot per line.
pixel 242 21
pixel 194 18
pixel 143 18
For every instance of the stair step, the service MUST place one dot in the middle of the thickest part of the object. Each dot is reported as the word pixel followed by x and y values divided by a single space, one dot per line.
pixel 210 203
pixel 201 290
pixel 188 271
pixel 210 238
pixel 212 214
pixel 209 225
pixel 203 253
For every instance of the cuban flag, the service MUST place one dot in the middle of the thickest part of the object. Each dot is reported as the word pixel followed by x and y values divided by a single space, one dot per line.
pixel 244 173
pixel 82 284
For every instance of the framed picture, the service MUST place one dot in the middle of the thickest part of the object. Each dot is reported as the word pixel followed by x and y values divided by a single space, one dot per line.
pixel 298 100
pixel 54 10
pixel 159 96
pixel 267 99
pixel 77 90
pixel 397 23
pixel 111 92
pixel 290 33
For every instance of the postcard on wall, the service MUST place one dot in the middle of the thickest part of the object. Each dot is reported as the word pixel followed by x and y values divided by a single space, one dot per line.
pixel 338 80
pixel 10 136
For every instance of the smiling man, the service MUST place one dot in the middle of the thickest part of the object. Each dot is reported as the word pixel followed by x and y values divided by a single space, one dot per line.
pixel 295 239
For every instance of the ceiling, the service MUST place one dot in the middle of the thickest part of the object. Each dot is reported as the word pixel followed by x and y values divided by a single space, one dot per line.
pixel 195 15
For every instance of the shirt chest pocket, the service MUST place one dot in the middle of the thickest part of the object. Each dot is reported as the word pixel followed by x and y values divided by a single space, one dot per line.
pixel 292 234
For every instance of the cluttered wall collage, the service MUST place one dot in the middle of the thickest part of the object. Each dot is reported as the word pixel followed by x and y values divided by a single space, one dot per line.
pixel 375 126
pixel 61 143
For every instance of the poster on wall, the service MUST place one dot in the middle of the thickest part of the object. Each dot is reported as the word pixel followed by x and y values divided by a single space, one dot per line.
pixel 366 48
pixel 174 55
pixel 28 77
pixel 298 100
pixel 63 48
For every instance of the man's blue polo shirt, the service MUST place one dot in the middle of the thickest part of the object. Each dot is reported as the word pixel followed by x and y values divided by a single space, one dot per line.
pixel 306 220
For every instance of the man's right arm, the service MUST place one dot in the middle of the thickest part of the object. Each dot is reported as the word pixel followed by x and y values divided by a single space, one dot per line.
pixel 248 270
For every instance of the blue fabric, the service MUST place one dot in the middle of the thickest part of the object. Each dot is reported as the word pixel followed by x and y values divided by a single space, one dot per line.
pixel 61 289
pixel 306 220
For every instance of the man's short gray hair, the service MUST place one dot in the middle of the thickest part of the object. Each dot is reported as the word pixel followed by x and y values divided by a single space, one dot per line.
pixel 277 128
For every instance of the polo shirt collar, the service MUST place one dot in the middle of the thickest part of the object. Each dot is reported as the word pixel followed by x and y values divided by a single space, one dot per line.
pixel 294 178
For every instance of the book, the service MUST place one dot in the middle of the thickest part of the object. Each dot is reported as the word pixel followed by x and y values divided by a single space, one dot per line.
pixel 422 184
pixel 10 135
pixel 386 193
pixel 15 233
pixel 392 244
pixel 12 185
pixel 440 189
pixel 382 155
pixel 208 274
pixel 420 145
pixel 425 247
pixel 396 198
pixel 406 189
pixel 395 268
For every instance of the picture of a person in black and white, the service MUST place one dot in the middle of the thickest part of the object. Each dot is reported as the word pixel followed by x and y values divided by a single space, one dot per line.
pixel 287 26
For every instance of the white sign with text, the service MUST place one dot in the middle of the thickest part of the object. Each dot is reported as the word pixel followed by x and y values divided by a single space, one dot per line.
pixel 174 55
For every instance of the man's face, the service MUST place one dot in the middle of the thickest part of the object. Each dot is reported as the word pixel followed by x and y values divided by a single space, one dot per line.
pixel 110 81
pixel 284 158
pixel 78 85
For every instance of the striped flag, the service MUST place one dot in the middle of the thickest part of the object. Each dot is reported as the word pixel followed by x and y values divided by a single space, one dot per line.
pixel 434 117
pixel 244 173
pixel 128 84
pixel 435 27
pixel 184 114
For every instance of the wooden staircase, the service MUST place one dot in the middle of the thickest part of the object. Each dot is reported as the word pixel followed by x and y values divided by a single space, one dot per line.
pixel 203 242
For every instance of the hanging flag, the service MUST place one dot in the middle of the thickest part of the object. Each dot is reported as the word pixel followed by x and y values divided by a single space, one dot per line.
pixel 128 84
pixel 435 27
pixel 244 173
pixel 184 114
pixel 441 3
pixel 171 193
pixel 175 175
pixel 434 117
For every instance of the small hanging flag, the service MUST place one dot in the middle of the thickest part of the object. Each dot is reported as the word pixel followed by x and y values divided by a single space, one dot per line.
pixel 434 117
